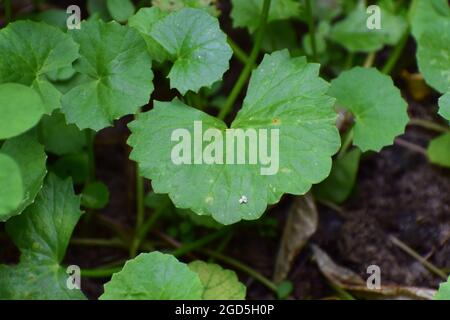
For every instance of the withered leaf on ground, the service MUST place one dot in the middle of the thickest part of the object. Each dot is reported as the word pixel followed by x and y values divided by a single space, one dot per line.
pixel 300 226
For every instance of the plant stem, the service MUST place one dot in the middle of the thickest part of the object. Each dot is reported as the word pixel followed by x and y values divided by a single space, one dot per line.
pixel 348 139
pixel 146 227
pixel 99 272
pixel 249 64
pixel 370 59
pixel 8 11
pixel 244 268
pixel 186 248
pixel 430 125
pixel 411 146
pixel 312 31
pixel 392 61
pixel 90 139
pixel 114 242
pixel 431 267
pixel 349 61
pixel 237 51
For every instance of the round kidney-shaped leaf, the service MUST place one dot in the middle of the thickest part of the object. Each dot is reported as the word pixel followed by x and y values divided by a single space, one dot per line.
pixel 218 283
pixel 20 109
pixel 29 50
pixel 30 157
pixel 379 110
pixel 154 276
pixel 444 106
pixel 292 136
pixel 11 187
pixel 118 75
pixel 192 39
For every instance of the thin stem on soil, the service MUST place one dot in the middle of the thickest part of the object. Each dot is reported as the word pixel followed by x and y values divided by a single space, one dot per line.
pixel 223 244
pixel 90 139
pixel 370 59
pixel 146 227
pixel 114 242
pixel 244 268
pixel 229 103
pixel 393 59
pixel 103 272
pixel 431 267
pixel 188 247
pixel 238 52
pixel 411 146
pixel 428 125
pixel 312 31
pixel 346 144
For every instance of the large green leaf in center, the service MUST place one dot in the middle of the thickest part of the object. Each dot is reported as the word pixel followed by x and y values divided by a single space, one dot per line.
pixel 285 94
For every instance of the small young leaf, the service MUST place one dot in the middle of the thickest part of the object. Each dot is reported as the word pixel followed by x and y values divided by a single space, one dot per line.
pixel 30 157
pixel 355 36
pixel 98 8
pixel 120 10
pixel 59 137
pixel 95 195
pixel 218 283
pixel 439 150
pixel 75 166
pixel 118 74
pixel 199 49
pixel 338 186
pixel 444 106
pixel 284 289
pixel 42 234
pixel 424 13
pixel 285 94
pixel 444 291
pixel 154 276
pixel 433 55
pixel 20 107
pixel 11 185
pixel 246 13
pixel 379 110
pixel 143 21
pixel 29 50
pixel 175 5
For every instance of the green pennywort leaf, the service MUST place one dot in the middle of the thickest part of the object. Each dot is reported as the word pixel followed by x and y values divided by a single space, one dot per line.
pixel 20 107
pixel 95 195
pixel 42 234
pixel 285 97
pixel 218 283
pixel 444 291
pixel 439 150
pixel 29 155
pixel 379 110
pixel 175 5
pixel 338 186
pixel 191 39
pixel 120 10
pixel 154 276
pixel 59 137
pixel 29 51
pixel 354 34
pixel 11 185
pixel 117 75
pixel 433 55
pixel 246 13
pixel 444 106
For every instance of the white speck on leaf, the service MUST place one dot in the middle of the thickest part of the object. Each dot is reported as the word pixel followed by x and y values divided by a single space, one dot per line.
pixel 243 200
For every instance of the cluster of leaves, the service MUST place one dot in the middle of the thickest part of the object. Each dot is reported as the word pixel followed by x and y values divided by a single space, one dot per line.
pixel 58 87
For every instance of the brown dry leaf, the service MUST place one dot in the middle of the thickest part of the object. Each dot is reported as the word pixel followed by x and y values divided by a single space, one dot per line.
pixel 351 281
pixel 300 226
